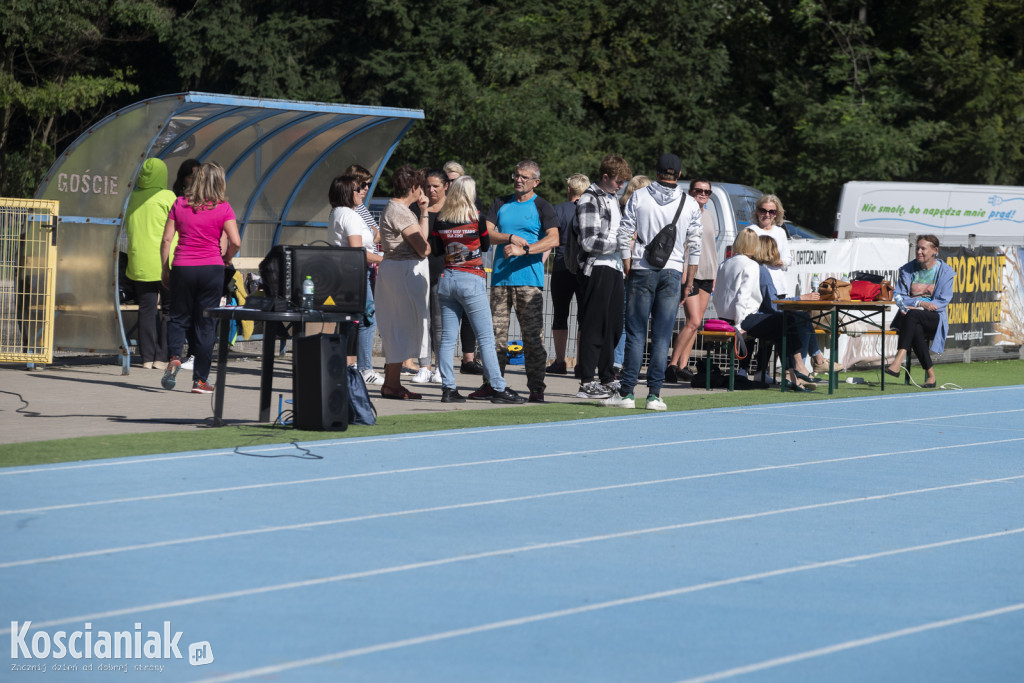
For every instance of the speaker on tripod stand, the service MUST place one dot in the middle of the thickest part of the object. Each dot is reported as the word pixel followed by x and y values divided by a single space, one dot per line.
pixel 320 382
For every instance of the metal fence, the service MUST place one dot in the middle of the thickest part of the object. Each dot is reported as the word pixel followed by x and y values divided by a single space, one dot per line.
pixel 28 258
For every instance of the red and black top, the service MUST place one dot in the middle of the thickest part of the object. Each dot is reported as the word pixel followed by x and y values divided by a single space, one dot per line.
pixel 462 244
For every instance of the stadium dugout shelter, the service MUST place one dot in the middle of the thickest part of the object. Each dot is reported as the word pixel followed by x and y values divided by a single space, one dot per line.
pixel 279 156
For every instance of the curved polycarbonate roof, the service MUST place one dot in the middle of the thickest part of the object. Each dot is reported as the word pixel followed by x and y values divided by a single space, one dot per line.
pixel 280 157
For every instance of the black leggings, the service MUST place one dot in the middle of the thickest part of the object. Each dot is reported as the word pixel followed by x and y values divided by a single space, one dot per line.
pixel 916 327
pixel 564 286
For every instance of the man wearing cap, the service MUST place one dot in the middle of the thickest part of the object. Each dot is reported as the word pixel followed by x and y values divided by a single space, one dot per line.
pixel 653 293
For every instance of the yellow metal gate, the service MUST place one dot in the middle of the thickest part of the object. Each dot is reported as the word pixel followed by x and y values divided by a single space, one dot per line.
pixel 28 258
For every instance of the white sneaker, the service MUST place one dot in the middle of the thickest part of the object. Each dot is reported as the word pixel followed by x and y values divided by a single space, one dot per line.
pixel 617 401
pixel 435 376
pixel 188 363
pixel 372 378
pixel 422 377
pixel 655 403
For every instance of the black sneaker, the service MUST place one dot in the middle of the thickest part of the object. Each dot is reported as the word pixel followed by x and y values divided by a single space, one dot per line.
pixel 672 374
pixel 536 397
pixel 685 375
pixel 507 395
pixel 451 396
pixel 593 391
pixel 472 367
pixel 557 368
pixel 484 393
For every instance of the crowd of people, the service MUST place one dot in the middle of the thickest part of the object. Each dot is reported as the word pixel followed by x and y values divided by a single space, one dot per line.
pixel 427 283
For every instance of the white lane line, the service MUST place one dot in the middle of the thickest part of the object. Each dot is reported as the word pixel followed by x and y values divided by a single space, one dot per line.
pixel 142 460
pixel 850 644
pixel 477 463
pixel 502 501
pixel 381 571
pixel 573 611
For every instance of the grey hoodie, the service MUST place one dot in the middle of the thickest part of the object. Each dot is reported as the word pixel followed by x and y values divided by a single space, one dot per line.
pixel 652 208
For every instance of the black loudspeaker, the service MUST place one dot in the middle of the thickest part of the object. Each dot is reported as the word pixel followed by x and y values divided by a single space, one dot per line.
pixel 339 276
pixel 320 382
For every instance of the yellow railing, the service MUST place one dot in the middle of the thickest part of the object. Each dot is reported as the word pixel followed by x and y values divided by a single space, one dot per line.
pixel 28 260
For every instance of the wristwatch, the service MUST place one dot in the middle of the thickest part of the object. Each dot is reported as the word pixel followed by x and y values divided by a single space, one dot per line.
pixel 526 248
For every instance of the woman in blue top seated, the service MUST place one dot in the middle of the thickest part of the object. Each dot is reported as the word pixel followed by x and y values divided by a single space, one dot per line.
pixel 923 291
pixel 767 255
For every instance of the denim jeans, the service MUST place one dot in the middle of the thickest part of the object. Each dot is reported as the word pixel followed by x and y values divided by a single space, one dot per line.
pixel 654 295
pixel 364 341
pixel 620 348
pixel 460 292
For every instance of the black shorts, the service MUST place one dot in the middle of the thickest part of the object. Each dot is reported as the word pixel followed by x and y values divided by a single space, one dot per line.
pixel 700 285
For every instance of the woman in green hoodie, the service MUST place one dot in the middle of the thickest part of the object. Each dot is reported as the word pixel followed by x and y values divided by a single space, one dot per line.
pixel 144 222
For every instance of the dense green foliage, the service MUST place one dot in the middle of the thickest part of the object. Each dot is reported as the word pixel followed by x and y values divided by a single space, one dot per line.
pixel 795 96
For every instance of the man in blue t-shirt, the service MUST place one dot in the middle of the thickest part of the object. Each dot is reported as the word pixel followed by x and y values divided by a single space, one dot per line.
pixel 527 227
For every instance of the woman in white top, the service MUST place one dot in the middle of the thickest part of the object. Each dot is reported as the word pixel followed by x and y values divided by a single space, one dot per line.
pixel 695 302
pixel 744 300
pixel 770 218
pixel 346 228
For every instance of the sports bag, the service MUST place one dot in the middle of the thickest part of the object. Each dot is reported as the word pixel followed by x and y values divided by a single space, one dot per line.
pixel 862 290
pixel 659 249
pixel 360 409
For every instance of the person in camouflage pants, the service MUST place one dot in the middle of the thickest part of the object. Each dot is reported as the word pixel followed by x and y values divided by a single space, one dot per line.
pixel 526 226
pixel 529 305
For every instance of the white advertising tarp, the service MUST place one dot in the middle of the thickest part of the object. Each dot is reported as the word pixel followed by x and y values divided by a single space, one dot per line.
pixel 841 259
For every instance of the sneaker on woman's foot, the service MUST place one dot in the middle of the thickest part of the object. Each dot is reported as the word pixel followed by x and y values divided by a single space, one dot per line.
pixel 371 378
pixel 188 363
pixel 422 377
pixel 201 387
pixel 557 368
pixel 171 373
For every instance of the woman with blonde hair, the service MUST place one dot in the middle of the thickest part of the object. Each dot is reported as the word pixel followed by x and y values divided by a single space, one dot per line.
pixel 743 298
pixel 202 219
pixel 768 253
pixel 460 234
pixel 771 216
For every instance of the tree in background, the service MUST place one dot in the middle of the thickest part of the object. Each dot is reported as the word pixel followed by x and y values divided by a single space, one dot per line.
pixel 792 96
pixel 65 64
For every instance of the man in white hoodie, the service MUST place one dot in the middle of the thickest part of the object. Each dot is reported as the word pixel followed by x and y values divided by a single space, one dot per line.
pixel 653 293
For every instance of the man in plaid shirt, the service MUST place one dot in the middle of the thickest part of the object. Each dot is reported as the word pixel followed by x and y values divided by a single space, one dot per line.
pixel 601 274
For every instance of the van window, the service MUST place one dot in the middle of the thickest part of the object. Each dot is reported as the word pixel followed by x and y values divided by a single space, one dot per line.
pixel 743 207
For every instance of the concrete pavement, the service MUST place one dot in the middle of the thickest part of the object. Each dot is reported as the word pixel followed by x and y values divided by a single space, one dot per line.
pixel 88 396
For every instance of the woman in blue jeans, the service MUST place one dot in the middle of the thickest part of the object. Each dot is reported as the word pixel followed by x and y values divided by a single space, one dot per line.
pixel 460 234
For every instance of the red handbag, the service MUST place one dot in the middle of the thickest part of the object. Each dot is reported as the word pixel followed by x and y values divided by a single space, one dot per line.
pixel 862 290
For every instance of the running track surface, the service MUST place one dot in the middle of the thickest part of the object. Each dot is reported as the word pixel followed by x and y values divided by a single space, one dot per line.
pixel 873 539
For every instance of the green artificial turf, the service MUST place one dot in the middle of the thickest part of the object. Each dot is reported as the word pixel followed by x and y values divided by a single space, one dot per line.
pixel 966 375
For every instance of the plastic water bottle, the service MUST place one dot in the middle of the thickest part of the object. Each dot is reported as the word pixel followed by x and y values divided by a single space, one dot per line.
pixel 307 294
pixel 815 282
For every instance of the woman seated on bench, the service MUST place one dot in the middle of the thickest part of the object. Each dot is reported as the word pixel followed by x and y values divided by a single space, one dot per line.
pixel 767 255
pixel 740 296
pixel 922 292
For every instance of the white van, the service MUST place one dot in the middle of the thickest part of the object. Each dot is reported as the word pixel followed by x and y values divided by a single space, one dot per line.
pixel 959 215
